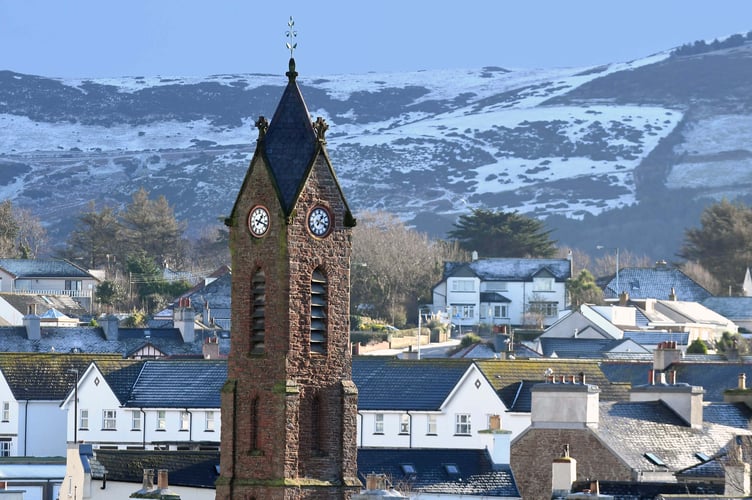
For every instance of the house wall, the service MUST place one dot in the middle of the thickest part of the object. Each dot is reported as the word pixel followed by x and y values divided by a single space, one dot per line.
pixel 117 489
pixel 9 428
pixel 41 429
pixel 10 313
pixel 6 281
pixel 534 451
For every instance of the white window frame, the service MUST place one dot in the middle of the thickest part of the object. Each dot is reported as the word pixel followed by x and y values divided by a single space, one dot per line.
pixel 5 445
pixel 210 424
pixel 83 419
pixel 136 420
pixel 378 423
pixel 464 311
pixel 497 286
pixel 463 285
pixel 547 309
pixel 500 311
pixel 109 420
pixel 6 411
pixel 161 420
pixel 185 421
pixel 404 424
pixel 543 284
pixel 462 424
pixel 431 426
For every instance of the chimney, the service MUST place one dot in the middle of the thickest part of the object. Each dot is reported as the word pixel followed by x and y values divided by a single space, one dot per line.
pixel 33 323
pixel 623 298
pixel 672 294
pixel 184 319
pixel 563 474
pixel 739 394
pixel 206 314
pixel 564 405
pixel 742 381
pixel 474 255
pixel 376 488
pixel 110 327
pixel 211 347
pixel 497 440
pixel 162 479
pixel 665 355
pixel 684 399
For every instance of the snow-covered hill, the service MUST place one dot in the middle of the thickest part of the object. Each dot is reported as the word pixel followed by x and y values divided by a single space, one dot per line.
pixel 573 146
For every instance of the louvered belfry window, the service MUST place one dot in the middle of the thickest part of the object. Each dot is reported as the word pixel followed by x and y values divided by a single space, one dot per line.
pixel 318 312
pixel 258 302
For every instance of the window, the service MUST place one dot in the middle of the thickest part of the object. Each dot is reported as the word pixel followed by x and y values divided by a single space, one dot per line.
pixel 404 423
pixel 83 419
pixel 318 312
pixel 209 421
pixel 6 411
pixel 161 422
pixel 378 423
pixel 500 311
pixel 462 424
pixel 109 421
pixel 258 303
pixel 543 284
pixel 496 286
pixel 464 311
pixel 136 420
pixel 4 447
pixel 185 420
pixel 544 308
pixel 431 430
pixel 463 285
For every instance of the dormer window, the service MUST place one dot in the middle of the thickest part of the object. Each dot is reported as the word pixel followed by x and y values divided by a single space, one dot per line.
pixel 318 312
pixel 543 284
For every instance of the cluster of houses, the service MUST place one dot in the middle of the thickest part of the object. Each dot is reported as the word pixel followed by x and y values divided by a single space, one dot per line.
pixel 606 400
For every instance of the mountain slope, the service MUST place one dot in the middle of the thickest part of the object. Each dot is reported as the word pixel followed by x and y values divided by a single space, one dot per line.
pixel 588 149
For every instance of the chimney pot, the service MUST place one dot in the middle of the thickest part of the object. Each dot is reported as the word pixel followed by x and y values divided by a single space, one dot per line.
pixel 162 479
pixel 742 381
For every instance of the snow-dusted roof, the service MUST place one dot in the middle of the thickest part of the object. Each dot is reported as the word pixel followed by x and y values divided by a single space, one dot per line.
pixel 512 269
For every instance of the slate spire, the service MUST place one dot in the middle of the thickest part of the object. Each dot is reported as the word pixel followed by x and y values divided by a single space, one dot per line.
pixel 290 143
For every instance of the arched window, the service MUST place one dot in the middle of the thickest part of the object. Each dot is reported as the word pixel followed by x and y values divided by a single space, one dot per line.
pixel 258 302
pixel 318 312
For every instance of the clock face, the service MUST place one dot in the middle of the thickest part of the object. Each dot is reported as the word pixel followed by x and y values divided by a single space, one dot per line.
pixel 319 221
pixel 258 221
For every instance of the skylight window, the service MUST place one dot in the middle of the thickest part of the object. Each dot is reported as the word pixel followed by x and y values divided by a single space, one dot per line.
pixel 702 457
pixel 408 469
pixel 655 459
pixel 452 469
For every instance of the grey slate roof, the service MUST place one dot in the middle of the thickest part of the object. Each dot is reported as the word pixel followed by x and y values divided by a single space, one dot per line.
pixel 648 490
pixel 196 469
pixel 62 303
pixel 92 340
pixel 656 337
pixel 633 429
pixel 387 383
pixel 576 348
pixel 654 283
pixel 714 377
pixel 512 269
pixel 477 475
pixel 43 268
pixel 179 384
pixel 733 308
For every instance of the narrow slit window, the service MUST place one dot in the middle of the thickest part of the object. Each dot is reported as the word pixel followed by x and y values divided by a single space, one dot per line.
pixel 254 423
pixel 318 312
pixel 258 303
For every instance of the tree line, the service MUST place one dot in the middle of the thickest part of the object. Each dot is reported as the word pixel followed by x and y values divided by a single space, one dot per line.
pixel 394 267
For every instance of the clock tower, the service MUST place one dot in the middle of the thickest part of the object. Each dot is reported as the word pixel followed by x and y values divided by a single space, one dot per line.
pixel 289 406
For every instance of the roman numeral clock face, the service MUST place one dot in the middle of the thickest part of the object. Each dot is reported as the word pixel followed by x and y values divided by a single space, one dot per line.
pixel 258 221
pixel 319 222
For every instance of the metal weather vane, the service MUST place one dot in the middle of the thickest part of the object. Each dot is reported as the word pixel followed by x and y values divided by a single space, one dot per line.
pixel 291 34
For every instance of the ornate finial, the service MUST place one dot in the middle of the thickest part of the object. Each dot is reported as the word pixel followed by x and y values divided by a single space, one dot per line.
pixel 320 126
pixel 291 34
pixel 262 124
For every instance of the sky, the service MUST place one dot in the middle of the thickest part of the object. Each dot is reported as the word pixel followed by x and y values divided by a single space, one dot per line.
pixel 112 38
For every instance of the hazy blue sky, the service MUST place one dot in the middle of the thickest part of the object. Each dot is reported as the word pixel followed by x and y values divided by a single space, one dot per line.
pixel 99 38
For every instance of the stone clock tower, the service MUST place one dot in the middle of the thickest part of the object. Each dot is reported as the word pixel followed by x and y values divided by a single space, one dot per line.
pixel 289 406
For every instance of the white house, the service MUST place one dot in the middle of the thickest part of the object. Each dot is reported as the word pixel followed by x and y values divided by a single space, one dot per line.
pixel 431 403
pixel 503 291
pixel 147 405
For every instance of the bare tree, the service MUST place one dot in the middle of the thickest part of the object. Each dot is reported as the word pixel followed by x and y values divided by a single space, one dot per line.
pixel 702 276
pixel 394 267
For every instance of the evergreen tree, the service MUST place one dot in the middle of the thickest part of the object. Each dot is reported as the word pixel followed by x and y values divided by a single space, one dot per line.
pixel 95 237
pixel 723 243
pixel 583 289
pixel 502 234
